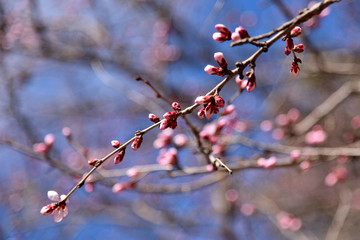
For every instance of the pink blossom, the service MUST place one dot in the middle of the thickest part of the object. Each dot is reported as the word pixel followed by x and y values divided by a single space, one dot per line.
pixel 282 120
pixel 210 168
pixel 93 161
pixel 316 136
pixel 250 86
pixel 204 99
pixel 170 115
pixel 163 139
pixel 289 46
pixel 58 209
pixel 219 37
pixel 211 70
pixel 201 113
pixel 66 131
pixel 41 148
pixel 293 115
pixel 119 157
pixel 288 222
pixel 267 163
pixel 210 110
pixel 295 154
pixel 266 125
pixel 278 133
pixel 136 144
pixel 223 33
pixel 247 209
pixel 296 31
pixel 219 101
pixel 154 118
pixel 115 143
pixel 176 106
pixel 231 195
pixel 299 48
pixel 229 110
pixel 119 187
pixel 49 140
pixel 223 29
pixel 220 59
pixel 241 83
pixel 180 140
pixel 240 33
pixel 167 156
pixel 294 69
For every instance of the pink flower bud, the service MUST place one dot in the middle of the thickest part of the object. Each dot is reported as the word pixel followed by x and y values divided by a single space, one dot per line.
pixel 220 59
pixel 219 37
pixel 211 70
pixel 219 101
pixel 115 143
pixel 170 115
pixel 266 126
pixel 66 131
pixel 250 86
pixel 235 36
pixel 240 33
pixel 180 140
pixel 289 46
pixel 119 187
pixel 164 124
pixel 296 31
pixel 172 124
pixel 176 106
pixel 201 113
pixel 203 99
pixel 119 157
pixel 229 110
pixel 222 29
pixel 241 83
pixel 93 161
pixel 137 142
pixel 294 69
pixel 210 110
pixel 49 140
pixel 48 209
pixel 40 148
pixel 167 157
pixel 299 48
pixel 154 118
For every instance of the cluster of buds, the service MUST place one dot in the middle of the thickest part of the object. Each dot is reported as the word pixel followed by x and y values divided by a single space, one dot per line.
pixel 220 71
pixel 248 84
pixel 171 117
pixel 44 147
pixel 120 155
pixel 291 48
pixel 168 156
pixel 224 34
pixel 58 208
pixel 211 105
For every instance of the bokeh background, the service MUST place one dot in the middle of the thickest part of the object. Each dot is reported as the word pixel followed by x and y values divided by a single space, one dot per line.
pixel 72 64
